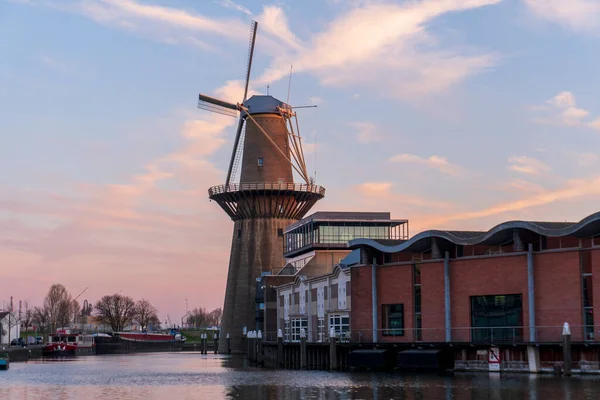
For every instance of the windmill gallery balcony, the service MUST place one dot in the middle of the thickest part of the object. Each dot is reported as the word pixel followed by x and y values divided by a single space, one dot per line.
pixel 266 199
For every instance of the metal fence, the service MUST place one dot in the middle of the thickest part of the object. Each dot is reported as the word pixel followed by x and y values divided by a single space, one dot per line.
pixel 473 335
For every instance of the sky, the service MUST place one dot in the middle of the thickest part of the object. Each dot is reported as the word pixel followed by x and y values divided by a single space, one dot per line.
pixel 454 114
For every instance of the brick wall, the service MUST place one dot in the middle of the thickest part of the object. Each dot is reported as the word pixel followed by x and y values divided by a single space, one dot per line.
pixel 394 286
pixel 360 318
pixel 432 302
pixel 484 276
pixel 558 294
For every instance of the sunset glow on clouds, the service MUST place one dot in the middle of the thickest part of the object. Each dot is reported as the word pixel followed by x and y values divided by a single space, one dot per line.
pixel 454 114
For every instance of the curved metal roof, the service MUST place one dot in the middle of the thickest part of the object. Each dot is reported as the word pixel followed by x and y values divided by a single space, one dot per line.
pixel 501 233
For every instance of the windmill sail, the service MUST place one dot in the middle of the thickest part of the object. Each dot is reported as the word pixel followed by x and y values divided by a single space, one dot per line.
pixel 238 145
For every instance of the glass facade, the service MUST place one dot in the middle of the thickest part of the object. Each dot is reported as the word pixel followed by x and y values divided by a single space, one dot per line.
pixel 331 233
pixel 497 318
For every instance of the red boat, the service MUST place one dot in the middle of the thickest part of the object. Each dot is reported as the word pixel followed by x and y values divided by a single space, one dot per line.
pixel 66 343
pixel 145 341
pixel 150 337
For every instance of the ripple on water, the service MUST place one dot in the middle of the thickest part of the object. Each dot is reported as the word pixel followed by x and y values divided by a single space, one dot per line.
pixel 193 376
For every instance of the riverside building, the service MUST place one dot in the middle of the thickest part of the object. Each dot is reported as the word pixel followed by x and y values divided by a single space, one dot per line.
pixel 512 288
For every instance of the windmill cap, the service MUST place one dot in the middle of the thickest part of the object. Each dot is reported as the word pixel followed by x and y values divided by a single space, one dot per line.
pixel 264 104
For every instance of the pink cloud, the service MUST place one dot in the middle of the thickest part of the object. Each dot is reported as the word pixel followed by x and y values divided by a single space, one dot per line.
pixel 138 236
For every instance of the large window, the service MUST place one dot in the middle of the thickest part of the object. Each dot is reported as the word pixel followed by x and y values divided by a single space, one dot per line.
pixel 417 301
pixel 341 325
pixel 297 324
pixel 393 319
pixel 588 295
pixel 497 318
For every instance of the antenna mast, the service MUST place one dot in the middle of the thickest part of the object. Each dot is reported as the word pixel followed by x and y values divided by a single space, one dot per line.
pixel 290 84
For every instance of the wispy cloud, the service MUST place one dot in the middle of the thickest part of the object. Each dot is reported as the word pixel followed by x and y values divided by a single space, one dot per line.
pixel 572 190
pixel 150 222
pixel 583 159
pixel 388 47
pixel 434 162
pixel 162 23
pixel 562 110
pixel 383 193
pixel 527 165
pixel 366 132
pixel 234 6
pixel 316 100
pixel 382 46
pixel 576 15
pixel 52 62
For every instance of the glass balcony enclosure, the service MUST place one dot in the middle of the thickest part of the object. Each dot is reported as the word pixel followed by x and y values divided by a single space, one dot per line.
pixel 334 229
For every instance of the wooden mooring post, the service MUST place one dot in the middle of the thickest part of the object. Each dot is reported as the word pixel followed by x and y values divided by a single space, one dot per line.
pixel 332 350
pixel 216 343
pixel 280 361
pixel 566 339
pixel 303 354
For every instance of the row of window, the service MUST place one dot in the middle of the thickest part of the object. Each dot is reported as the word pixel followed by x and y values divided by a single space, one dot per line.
pixel 339 322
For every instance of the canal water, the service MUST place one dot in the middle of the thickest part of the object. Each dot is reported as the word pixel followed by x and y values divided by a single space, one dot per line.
pixel 178 376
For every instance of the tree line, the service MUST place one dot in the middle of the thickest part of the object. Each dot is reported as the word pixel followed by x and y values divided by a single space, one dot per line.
pixel 60 309
pixel 199 317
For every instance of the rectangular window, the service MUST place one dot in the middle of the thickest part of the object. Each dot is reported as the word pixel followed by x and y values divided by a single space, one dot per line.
pixel 280 232
pixel 587 295
pixel 497 318
pixel 321 329
pixel 393 319
pixel 297 324
pixel 286 331
pixel 260 161
pixel 341 325
pixel 417 301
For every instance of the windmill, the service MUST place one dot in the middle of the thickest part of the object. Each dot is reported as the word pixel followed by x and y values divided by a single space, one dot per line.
pixel 267 149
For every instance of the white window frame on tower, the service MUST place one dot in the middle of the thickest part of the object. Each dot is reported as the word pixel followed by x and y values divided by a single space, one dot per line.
pixel 260 161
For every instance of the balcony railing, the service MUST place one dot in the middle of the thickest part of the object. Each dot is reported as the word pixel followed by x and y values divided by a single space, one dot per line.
pixel 240 187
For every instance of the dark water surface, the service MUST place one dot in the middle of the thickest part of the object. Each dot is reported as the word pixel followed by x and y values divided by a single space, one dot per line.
pixel 193 376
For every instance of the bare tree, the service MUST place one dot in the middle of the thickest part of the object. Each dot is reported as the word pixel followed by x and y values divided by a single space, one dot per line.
pixel 145 314
pixel 27 316
pixel 214 317
pixel 41 319
pixel 198 317
pixel 57 309
pixel 154 322
pixel 115 310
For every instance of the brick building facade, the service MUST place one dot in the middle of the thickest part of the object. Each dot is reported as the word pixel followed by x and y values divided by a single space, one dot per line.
pixel 517 283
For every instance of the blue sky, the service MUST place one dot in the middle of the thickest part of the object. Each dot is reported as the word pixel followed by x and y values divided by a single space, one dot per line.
pixel 452 113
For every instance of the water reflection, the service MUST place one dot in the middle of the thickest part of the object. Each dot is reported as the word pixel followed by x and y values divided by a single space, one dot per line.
pixel 194 376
